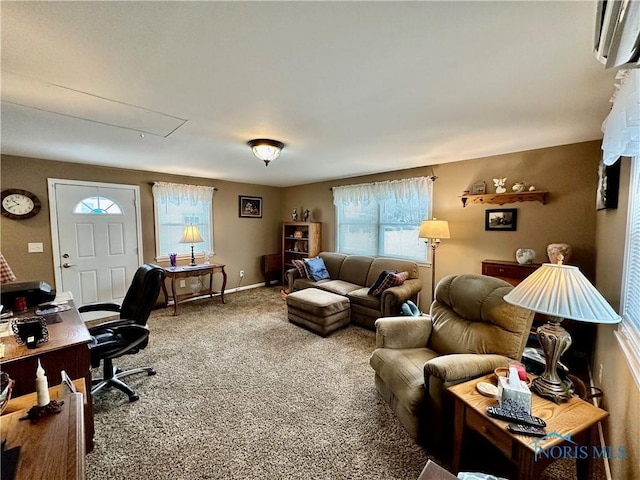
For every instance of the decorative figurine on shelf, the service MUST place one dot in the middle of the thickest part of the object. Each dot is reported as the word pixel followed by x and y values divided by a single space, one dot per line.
pixel 173 259
pixel 499 184
pixel 207 256
pixel 294 215
pixel 306 214
pixel 519 187
pixel 532 188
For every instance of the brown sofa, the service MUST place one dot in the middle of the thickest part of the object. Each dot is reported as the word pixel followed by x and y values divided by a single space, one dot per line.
pixel 471 330
pixel 353 275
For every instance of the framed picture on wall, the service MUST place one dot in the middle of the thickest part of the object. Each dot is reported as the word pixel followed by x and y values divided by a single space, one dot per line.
pixel 608 186
pixel 501 219
pixel 250 207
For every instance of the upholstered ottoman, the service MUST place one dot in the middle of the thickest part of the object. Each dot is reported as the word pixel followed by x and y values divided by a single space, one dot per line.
pixel 319 311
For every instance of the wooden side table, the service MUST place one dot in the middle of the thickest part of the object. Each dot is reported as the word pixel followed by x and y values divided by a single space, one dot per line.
pixel 575 419
pixel 176 273
pixel 54 447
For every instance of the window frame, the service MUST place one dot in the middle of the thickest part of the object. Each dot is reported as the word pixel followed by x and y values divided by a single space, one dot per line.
pixel 628 332
pixel 381 223
pixel 198 253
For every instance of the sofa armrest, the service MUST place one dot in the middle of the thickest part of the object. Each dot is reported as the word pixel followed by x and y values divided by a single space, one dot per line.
pixel 291 275
pixel 463 366
pixel 403 332
pixel 393 297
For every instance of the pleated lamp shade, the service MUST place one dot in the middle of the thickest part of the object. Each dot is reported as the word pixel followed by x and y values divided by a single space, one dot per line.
pixel 562 291
pixel 191 235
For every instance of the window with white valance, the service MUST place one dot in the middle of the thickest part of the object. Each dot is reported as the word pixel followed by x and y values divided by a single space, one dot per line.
pixel 622 126
pixel 176 206
pixel 622 138
pixel 383 218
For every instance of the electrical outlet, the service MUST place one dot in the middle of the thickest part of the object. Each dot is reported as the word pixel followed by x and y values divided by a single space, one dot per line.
pixel 241 273
pixel 183 283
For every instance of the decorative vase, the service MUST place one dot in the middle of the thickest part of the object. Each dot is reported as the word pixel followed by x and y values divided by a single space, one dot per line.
pixel 525 256
pixel 172 259
pixel 554 250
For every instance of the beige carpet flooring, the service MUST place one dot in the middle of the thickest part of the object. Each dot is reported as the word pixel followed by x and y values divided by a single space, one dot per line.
pixel 241 393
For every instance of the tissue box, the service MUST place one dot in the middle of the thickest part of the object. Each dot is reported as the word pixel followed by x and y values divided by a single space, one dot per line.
pixel 516 391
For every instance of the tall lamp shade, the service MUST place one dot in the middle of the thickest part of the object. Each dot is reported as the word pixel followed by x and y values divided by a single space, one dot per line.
pixel 191 235
pixel 433 231
pixel 559 291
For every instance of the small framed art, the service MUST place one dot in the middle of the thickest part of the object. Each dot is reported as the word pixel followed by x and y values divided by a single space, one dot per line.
pixel 608 186
pixel 250 207
pixel 501 219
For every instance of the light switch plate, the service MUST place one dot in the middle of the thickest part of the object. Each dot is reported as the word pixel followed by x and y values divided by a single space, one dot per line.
pixel 35 247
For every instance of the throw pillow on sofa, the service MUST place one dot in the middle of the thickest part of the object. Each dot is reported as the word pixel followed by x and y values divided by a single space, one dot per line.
pixel 390 280
pixel 302 270
pixel 316 268
pixel 379 280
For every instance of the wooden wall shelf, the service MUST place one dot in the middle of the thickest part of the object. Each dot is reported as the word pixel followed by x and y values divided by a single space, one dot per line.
pixel 502 198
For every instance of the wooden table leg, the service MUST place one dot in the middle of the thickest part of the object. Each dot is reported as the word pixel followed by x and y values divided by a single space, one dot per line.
pixel 458 435
pixel 175 297
pixel 224 285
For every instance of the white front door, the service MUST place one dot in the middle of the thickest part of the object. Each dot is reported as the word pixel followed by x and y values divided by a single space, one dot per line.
pixel 96 239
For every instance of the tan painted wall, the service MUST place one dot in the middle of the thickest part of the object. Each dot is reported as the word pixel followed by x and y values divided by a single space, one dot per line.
pixel 621 395
pixel 239 242
pixel 568 173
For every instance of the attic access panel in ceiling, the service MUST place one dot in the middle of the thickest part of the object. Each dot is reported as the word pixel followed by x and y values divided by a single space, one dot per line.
pixel 32 93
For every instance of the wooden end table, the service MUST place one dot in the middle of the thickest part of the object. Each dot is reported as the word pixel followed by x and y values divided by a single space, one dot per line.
pixel 186 271
pixel 575 419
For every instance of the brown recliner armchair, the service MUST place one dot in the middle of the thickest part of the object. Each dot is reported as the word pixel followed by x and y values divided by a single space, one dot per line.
pixel 470 331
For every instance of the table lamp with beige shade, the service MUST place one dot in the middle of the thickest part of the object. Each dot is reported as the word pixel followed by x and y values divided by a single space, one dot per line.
pixel 191 235
pixel 559 291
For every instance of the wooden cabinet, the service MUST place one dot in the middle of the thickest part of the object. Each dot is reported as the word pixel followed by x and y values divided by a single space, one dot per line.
pixel 512 272
pixel 299 240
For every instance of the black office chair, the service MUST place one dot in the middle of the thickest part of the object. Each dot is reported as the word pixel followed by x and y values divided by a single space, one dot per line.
pixel 127 335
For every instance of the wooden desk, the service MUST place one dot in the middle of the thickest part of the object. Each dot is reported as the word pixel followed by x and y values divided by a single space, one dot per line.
pixel 67 349
pixel 176 273
pixel 53 448
pixel 576 418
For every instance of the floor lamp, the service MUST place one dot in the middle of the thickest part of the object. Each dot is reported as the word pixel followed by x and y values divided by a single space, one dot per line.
pixel 191 235
pixel 559 291
pixel 432 231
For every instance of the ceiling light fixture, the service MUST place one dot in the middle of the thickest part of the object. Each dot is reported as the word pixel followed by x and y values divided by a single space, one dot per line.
pixel 266 149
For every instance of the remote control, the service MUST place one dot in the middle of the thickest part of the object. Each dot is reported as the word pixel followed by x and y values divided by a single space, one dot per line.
pixel 526 430
pixel 511 412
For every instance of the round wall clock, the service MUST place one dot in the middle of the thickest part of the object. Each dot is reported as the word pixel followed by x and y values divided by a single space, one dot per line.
pixel 19 204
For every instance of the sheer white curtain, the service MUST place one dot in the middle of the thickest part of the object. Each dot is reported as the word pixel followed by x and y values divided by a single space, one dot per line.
pixel 399 190
pixel 177 193
pixel 622 126
pixel 176 206
pixel 382 218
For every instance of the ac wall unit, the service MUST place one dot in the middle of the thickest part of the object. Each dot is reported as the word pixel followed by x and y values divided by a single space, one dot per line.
pixel 617 33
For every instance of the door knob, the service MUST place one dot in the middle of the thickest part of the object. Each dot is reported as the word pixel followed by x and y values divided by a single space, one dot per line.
pixel 67 265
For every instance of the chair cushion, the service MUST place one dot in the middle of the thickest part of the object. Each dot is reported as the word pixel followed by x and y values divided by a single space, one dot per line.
pixel 361 297
pixel 339 287
pixel 402 370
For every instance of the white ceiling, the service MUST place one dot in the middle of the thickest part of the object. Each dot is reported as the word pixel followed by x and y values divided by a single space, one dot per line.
pixel 351 88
